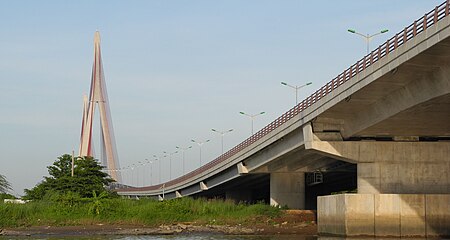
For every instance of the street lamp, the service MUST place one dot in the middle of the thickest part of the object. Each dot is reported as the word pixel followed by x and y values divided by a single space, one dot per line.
pixel 200 144
pixel 159 166
pixel 252 116
pixel 170 163
pixel 133 166
pixel 367 37
pixel 131 174
pixel 151 170
pixel 143 172
pixel 222 133
pixel 296 88
pixel 125 173
pixel 183 149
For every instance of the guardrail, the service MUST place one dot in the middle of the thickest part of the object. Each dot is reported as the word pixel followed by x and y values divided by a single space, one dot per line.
pixel 420 25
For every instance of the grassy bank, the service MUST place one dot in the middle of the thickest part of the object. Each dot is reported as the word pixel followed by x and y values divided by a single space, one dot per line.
pixel 139 212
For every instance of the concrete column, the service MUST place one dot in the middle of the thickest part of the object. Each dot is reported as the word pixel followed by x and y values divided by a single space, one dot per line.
pixel 287 189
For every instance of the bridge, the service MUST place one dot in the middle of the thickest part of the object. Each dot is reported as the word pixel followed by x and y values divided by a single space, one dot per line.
pixel 380 130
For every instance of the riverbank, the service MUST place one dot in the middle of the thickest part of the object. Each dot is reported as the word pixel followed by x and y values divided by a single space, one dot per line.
pixel 289 222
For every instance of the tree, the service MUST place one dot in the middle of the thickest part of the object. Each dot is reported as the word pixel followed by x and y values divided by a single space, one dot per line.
pixel 88 178
pixel 6 196
pixel 4 184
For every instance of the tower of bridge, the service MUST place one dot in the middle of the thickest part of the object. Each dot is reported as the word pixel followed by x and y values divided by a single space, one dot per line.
pixel 98 97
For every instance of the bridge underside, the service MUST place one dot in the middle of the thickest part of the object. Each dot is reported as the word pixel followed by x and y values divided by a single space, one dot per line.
pixel 306 174
pixel 384 133
pixel 250 188
pixel 410 98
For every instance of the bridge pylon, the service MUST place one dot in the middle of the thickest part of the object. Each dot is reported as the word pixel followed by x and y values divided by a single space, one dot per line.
pixel 98 97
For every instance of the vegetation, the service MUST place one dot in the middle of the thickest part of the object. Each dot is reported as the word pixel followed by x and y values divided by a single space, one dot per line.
pixel 6 196
pixel 4 184
pixel 63 199
pixel 147 212
pixel 88 179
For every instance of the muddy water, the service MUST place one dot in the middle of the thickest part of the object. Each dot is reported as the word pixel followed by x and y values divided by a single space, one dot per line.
pixel 173 237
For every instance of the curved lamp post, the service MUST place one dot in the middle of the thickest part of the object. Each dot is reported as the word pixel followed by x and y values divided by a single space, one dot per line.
pixel 159 166
pixel 170 163
pixel 252 116
pixel 151 170
pixel 200 144
pixel 222 133
pixel 183 149
pixel 296 88
pixel 367 37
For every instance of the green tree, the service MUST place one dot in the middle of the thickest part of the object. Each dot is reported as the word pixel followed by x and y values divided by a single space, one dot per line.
pixel 88 177
pixel 6 196
pixel 4 184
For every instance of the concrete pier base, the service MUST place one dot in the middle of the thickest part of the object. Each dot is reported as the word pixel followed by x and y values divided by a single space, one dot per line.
pixel 287 189
pixel 383 215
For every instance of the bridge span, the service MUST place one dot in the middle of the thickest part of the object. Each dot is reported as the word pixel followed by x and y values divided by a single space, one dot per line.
pixel 380 129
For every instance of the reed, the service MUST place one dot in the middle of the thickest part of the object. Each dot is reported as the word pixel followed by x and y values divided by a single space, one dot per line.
pixel 139 212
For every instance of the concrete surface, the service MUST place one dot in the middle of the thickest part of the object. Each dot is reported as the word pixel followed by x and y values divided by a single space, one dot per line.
pixel 384 215
pixel 287 189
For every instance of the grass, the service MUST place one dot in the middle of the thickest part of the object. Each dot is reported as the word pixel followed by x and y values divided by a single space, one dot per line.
pixel 134 212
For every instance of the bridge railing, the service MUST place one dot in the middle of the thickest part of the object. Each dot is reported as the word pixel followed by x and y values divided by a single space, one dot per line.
pixel 399 39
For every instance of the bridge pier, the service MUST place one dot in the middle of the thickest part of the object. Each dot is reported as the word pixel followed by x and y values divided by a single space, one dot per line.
pixel 403 189
pixel 287 189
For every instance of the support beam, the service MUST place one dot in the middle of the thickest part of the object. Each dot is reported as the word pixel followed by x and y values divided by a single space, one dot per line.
pixel 178 194
pixel 203 186
pixel 241 168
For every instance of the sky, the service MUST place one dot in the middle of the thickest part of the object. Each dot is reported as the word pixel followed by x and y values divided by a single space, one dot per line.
pixel 174 70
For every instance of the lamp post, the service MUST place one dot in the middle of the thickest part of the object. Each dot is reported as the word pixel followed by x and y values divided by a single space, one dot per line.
pixel 151 170
pixel 159 166
pixel 141 164
pixel 130 174
pixel 170 163
pixel 200 144
pixel 252 116
pixel 367 37
pixel 183 149
pixel 125 173
pixel 222 133
pixel 296 88
pixel 133 166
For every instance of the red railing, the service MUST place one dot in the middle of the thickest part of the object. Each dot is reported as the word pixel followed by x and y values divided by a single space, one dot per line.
pixel 420 25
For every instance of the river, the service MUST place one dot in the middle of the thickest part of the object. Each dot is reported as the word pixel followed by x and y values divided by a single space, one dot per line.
pixel 196 237
pixel 170 237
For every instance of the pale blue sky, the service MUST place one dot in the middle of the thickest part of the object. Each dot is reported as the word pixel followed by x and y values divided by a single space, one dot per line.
pixel 174 70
